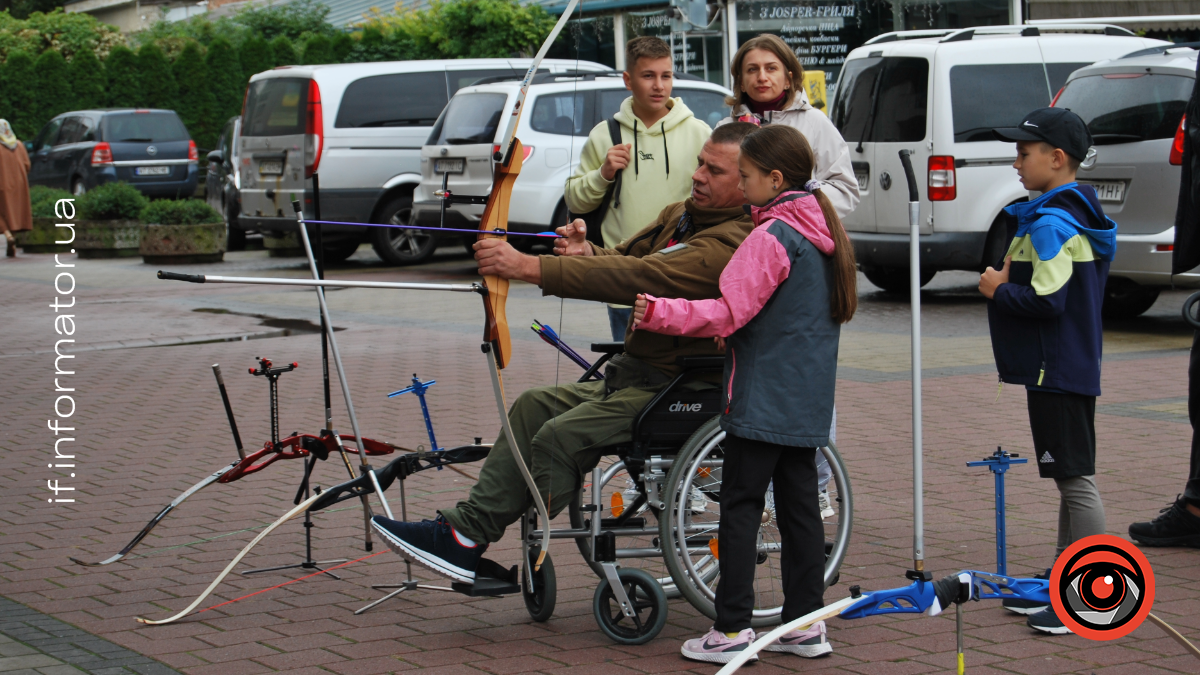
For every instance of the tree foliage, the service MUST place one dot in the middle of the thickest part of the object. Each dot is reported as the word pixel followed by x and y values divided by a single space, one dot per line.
pixel 195 101
pixel 86 75
pixel 20 87
pixel 283 52
pixel 124 80
pixel 290 21
pixel 53 93
pixel 159 89
pixel 64 33
pixel 318 50
pixel 256 56
pixel 465 28
pixel 224 79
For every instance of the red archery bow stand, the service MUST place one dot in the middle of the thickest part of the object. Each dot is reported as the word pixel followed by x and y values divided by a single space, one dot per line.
pixel 278 450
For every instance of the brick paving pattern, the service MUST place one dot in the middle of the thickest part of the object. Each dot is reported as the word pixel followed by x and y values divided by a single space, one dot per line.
pixel 150 423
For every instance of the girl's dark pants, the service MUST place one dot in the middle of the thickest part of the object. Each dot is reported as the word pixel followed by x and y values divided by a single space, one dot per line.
pixel 748 469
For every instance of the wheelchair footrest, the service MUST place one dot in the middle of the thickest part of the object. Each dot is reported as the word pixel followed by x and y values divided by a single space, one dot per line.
pixel 491 579
pixel 609 523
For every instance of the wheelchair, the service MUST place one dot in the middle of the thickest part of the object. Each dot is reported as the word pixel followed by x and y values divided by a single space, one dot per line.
pixel 646 522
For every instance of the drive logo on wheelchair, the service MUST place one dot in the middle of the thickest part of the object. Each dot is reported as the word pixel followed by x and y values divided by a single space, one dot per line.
pixel 1102 587
pixel 680 406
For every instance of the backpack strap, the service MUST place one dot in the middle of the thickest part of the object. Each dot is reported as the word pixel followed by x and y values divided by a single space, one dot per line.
pixel 614 132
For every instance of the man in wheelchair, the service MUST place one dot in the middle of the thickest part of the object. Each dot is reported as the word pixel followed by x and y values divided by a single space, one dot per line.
pixel 563 430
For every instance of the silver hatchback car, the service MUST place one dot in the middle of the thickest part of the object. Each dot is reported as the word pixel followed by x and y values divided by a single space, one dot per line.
pixel 1134 108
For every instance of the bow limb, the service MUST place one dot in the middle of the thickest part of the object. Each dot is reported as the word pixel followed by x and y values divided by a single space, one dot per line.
pixel 297 510
pixel 498 388
pixel 215 477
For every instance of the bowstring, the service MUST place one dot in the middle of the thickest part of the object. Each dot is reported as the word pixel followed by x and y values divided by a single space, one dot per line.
pixel 576 113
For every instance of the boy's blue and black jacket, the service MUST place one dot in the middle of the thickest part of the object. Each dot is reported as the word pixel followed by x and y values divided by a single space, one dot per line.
pixel 1045 322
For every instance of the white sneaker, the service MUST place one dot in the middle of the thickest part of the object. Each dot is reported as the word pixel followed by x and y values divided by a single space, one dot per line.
pixel 826 507
pixel 809 643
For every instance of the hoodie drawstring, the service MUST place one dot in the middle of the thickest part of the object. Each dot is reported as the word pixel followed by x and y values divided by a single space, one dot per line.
pixel 635 152
pixel 666 155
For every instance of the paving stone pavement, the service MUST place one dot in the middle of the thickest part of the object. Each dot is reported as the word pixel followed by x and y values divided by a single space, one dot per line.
pixel 149 423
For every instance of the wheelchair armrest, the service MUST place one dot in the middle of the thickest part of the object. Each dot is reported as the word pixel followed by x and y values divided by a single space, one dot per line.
pixel 701 362
pixel 608 347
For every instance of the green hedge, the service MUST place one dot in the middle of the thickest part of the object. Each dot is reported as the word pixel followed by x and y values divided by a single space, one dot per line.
pixel 181 212
pixel 112 201
pixel 44 198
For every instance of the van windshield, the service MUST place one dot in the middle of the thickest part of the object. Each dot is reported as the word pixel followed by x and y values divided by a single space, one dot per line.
pixel 469 119
pixel 1128 107
pixel 276 107
pixel 145 127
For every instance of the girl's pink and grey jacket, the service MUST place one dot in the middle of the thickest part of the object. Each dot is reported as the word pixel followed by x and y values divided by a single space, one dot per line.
pixel 782 342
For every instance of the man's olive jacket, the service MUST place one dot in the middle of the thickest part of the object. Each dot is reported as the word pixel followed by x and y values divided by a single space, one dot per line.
pixel 690 269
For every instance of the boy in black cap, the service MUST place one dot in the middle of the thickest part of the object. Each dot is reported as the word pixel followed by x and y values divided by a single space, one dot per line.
pixel 1044 313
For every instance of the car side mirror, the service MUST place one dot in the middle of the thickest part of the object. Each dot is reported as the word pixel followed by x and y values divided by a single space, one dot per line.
pixel 216 156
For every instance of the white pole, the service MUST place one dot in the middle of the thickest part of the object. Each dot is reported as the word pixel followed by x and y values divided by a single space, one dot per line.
pixel 1017 16
pixel 731 39
pixel 914 266
pixel 619 40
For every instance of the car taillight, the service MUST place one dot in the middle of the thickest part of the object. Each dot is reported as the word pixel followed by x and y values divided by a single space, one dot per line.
pixel 313 130
pixel 941 178
pixel 528 153
pixel 101 154
pixel 193 154
pixel 1055 100
pixel 1177 146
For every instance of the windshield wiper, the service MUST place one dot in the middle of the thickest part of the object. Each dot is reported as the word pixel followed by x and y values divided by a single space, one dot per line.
pixel 135 140
pixel 1109 139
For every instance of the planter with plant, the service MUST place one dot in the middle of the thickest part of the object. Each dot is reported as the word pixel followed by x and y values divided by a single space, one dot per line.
pixel 108 225
pixel 43 235
pixel 187 231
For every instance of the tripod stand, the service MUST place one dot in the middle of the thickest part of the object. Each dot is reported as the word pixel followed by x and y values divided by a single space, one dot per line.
pixel 271 372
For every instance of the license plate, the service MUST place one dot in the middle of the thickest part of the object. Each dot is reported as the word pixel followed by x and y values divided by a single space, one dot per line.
pixel 863 178
pixel 153 171
pixel 1109 191
pixel 448 165
pixel 271 167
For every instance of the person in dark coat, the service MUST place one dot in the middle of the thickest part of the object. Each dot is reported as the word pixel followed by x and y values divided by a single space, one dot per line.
pixel 15 211
pixel 1179 523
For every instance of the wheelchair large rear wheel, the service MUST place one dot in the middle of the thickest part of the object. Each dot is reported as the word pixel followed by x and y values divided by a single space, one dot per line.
pixel 689 527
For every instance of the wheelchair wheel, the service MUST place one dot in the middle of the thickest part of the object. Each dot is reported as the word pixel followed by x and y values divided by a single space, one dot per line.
pixel 540 601
pixel 649 607
pixel 619 496
pixel 689 527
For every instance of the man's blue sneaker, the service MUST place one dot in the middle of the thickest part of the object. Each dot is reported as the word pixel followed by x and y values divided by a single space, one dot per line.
pixel 434 544
pixel 1047 622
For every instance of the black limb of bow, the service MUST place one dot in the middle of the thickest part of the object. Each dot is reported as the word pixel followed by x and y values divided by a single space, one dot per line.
pixel 400 468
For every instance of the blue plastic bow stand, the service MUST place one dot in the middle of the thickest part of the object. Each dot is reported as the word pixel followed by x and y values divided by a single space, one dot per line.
pixel 419 388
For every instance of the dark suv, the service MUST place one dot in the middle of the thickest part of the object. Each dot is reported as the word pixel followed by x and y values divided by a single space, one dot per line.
pixel 149 149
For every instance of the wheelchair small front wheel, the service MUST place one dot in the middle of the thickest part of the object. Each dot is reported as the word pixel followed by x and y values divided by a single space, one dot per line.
pixel 539 600
pixel 649 608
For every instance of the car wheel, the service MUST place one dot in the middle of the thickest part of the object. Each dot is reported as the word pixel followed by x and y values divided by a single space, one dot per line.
pixel 401 247
pixel 77 187
pixel 1126 299
pixel 339 251
pixel 895 279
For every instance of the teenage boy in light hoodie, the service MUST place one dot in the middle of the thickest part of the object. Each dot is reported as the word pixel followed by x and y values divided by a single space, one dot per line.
pixel 661 141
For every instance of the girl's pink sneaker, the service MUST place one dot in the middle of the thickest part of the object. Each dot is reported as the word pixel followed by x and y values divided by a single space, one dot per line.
pixel 715 647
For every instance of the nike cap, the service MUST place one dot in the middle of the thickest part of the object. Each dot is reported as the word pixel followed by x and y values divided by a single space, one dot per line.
pixel 1057 126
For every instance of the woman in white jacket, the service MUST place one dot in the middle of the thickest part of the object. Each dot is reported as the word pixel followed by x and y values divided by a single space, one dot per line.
pixel 768 85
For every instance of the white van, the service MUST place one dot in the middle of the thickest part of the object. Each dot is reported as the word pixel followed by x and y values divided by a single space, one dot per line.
pixel 939 94
pixel 560 112
pixel 360 128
